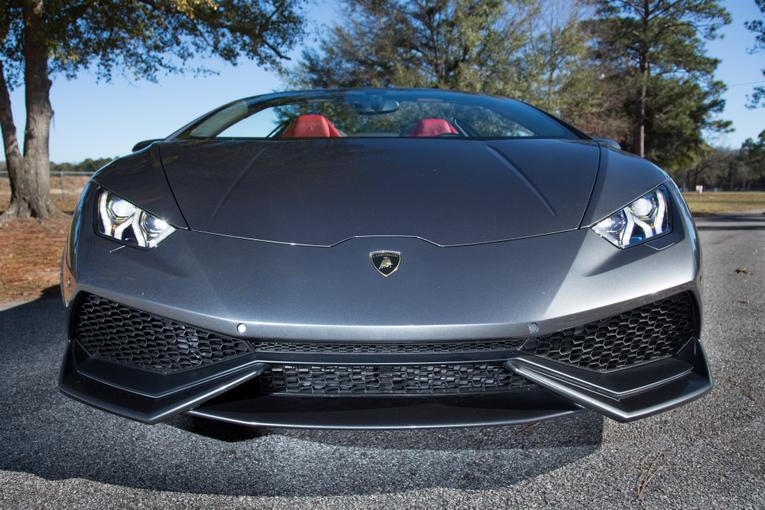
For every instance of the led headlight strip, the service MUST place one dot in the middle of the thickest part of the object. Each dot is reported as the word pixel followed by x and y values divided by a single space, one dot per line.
pixel 646 217
pixel 123 221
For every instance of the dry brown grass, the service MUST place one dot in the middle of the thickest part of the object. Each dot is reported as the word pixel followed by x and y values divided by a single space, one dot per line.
pixel 64 194
pixel 721 202
pixel 30 252
pixel 650 466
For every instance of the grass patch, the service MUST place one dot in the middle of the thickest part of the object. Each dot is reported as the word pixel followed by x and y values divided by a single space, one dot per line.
pixel 722 202
pixel 64 192
pixel 30 252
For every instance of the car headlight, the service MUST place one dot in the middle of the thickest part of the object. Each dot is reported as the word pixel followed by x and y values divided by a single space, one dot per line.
pixel 123 221
pixel 643 219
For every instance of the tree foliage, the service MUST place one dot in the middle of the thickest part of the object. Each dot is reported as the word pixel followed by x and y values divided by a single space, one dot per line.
pixel 757 26
pixel 655 50
pixel 752 155
pixel 562 77
pixel 719 168
pixel 452 44
pixel 633 70
pixel 729 169
pixel 529 49
pixel 87 165
pixel 146 38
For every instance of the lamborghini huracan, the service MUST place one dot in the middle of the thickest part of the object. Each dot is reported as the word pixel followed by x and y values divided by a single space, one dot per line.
pixel 381 258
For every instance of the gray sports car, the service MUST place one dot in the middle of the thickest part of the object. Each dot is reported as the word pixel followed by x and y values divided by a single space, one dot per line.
pixel 381 258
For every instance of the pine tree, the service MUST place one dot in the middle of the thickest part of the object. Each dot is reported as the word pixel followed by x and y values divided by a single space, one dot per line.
pixel 758 27
pixel 656 51
pixel 451 44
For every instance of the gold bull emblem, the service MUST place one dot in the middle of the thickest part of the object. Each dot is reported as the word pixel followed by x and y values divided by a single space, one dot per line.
pixel 385 262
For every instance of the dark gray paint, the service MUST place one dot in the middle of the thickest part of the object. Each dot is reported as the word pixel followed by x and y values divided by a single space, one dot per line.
pixel 321 192
pixel 140 179
pixel 622 178
pixel 300 292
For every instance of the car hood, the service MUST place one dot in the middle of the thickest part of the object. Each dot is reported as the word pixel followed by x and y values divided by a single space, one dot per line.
pixel 322 192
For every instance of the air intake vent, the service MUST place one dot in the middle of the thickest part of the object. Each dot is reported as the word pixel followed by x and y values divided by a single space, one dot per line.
pixel 118 333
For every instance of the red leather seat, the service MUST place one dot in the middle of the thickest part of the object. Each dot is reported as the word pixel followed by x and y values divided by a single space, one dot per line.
pixel 433 127
pixel 311 126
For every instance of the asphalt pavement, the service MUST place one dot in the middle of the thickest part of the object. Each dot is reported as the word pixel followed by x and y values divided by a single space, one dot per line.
pixel 58 453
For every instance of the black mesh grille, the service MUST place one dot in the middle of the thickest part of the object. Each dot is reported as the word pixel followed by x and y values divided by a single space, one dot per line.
pixel 389 379
pixel 122 334
pixel 644 334
pixel 115 332
pixel 509 344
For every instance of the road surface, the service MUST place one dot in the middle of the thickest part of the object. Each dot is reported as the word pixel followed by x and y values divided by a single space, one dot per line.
pixel 59 453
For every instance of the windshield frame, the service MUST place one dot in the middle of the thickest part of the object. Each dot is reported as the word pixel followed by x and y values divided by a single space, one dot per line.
pixel 261 102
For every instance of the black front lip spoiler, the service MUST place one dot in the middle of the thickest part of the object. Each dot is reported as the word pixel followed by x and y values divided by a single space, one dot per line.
pixel 627 394
pixel 624 395
pixel 148 407
pixel 394 412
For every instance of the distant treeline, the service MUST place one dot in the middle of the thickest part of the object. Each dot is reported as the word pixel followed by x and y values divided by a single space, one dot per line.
pixel 86 165
pixel 727 169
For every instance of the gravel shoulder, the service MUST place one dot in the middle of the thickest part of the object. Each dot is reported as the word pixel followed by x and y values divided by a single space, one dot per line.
pixel 58 453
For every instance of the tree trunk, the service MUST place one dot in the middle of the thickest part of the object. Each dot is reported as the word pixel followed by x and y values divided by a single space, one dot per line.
pixel 731 177
pixel 30 174
pixel 640 129
pixel 696 172
pixel 639 145
pixel 14 162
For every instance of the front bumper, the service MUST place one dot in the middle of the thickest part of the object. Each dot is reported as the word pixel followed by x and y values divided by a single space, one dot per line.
pixel 148 368
pixel 526 288
pixel 222 393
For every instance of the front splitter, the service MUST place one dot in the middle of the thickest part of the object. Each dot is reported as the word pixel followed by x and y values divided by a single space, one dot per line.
pixel 627 394
pixel 227 393
pixel 381 412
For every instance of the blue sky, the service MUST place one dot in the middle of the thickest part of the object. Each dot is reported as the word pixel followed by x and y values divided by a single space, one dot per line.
pixel 95 119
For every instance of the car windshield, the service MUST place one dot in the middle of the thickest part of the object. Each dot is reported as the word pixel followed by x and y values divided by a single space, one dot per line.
pixel 377 113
